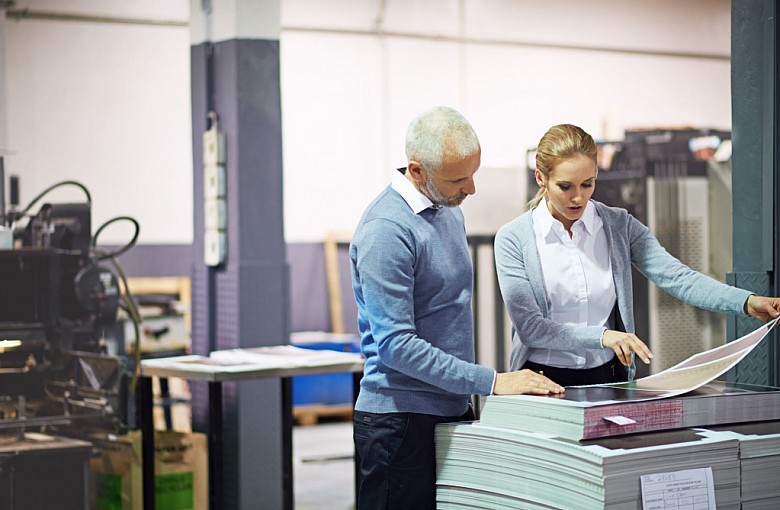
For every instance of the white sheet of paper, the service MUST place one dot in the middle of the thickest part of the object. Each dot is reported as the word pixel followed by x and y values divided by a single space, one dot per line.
pixel 689 488
pixel 699 369
pixel 620 420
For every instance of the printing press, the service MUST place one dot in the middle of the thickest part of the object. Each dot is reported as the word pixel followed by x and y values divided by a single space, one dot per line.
pixel 58 292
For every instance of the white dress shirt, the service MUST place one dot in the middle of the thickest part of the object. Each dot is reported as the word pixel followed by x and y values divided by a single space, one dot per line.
pixel 578 279
pixel 416 200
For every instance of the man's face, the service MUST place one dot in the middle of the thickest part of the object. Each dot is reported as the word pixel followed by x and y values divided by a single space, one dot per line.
pixel 450 186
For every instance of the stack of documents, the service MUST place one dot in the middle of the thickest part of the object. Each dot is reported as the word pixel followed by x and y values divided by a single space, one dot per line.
pixel 483 467
pixel 681 396
pixel 759 454
pixel 601 411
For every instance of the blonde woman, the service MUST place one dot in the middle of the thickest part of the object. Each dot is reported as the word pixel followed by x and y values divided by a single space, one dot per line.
pixel 564 269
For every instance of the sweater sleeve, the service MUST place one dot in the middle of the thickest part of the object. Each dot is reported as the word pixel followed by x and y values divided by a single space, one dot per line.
pixel 676 278
pixel 385 272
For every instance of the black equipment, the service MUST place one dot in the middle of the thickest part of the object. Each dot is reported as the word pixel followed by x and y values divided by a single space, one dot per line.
pixel 55 299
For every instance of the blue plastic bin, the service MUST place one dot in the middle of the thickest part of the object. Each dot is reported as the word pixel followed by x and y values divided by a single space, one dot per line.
pixel 327 389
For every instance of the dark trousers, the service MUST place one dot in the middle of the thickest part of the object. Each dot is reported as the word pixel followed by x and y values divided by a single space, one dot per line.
pixel 397 459
pixel 612 371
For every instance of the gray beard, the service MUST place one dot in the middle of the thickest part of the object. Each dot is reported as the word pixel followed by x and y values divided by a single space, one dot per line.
pixel 433 194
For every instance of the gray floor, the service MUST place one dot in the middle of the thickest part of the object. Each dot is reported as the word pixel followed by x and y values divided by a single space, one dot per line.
pixel 323 469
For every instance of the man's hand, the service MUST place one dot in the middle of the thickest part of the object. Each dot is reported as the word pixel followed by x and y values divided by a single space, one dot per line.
pixel 524 381
pixel 762 308
pixel 624 344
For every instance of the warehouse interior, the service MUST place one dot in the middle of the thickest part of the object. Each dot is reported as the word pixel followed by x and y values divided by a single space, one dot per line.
pixel 207 162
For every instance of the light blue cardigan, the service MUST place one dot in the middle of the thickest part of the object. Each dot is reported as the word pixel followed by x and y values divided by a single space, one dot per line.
pixel 522 283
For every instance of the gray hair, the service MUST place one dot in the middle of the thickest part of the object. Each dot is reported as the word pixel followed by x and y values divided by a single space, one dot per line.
pixel 439 133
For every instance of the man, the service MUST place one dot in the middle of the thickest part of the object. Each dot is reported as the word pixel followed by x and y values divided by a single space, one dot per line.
pixel 412 279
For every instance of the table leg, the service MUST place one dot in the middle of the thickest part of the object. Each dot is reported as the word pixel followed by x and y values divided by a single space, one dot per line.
pixel 287 443
pixel 145 402
pixel 165 394
pixel 215 445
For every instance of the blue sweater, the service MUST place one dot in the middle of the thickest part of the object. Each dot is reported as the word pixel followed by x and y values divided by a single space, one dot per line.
pixel 412 279
pixel 630 242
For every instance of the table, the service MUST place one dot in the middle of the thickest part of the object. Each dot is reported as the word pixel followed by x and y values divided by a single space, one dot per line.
pixel 282 362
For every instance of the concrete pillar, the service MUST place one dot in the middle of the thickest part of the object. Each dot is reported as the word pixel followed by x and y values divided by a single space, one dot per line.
pixel 244 302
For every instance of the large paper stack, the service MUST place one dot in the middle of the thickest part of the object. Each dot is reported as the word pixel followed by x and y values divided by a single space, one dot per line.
pixel 681 396
pixel 482 467
pixel 759 454
pixel 601 411
pixel 595 452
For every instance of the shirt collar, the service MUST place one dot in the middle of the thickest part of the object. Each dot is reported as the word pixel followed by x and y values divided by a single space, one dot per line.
pixel 542 217
pixel 416 200
pixel 589 219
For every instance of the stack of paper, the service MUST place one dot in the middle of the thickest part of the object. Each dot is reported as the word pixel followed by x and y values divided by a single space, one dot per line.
pixel 759 454
pixel 681 396
pixel 482 467
pixel 602 411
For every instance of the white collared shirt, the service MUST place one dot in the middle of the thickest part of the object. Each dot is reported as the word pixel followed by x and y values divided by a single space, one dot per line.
pixel 578 279
pixel 416 200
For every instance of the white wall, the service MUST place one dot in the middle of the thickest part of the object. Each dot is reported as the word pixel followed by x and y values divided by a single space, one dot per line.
pixel 108 104
pixel 354 75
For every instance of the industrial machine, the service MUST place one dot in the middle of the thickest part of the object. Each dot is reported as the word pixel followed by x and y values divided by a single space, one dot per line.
pixel 56 293
pixel 58 385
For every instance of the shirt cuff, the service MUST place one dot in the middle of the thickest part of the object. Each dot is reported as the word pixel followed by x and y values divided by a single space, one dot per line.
pixel 745 305
pixel 493 388
pixel 601 339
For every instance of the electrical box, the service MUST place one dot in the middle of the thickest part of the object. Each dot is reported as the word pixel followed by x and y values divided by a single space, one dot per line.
pixel 214 195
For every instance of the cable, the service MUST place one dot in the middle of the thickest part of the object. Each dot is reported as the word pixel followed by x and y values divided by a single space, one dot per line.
pixel 50 188
pixel 132 310
pixel 108 254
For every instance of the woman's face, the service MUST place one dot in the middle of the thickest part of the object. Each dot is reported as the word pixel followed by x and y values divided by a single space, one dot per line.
pixel 569 187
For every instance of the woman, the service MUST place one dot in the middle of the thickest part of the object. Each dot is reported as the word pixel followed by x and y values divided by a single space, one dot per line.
pixel 564 269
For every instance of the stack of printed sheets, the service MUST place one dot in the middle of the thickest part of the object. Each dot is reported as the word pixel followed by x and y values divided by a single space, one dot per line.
pixel 589 448
pixel 589 412
pixel 759 456
pixel 685 395
pixel 481 467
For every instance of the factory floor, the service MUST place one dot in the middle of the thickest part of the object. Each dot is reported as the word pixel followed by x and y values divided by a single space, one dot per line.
pixel 323 467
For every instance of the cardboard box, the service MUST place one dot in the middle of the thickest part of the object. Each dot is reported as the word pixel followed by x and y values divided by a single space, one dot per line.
pixel 181 472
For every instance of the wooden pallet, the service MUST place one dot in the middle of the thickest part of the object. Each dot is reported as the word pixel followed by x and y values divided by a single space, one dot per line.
pixel 307 415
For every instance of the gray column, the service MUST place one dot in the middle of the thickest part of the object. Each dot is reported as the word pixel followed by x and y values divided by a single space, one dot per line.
pixel 755 171
pixel 244 302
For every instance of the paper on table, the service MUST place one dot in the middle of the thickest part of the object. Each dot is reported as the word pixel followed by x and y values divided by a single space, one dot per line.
pixel 258 358
pixel 284 356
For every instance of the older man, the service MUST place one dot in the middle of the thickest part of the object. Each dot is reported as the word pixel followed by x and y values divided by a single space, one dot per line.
pixel 412 279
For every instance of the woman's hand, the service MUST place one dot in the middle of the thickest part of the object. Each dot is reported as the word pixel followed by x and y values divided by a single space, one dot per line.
pixel 762 308
pixel 624 344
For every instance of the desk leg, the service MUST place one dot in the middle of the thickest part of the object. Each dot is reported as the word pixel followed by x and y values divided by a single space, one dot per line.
pixel 165 393
pixel 145 410
pixel 356 377
pixel 215 445
pixel 287 443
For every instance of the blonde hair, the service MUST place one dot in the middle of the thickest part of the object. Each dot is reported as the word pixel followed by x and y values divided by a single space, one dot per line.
pixel 561 143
